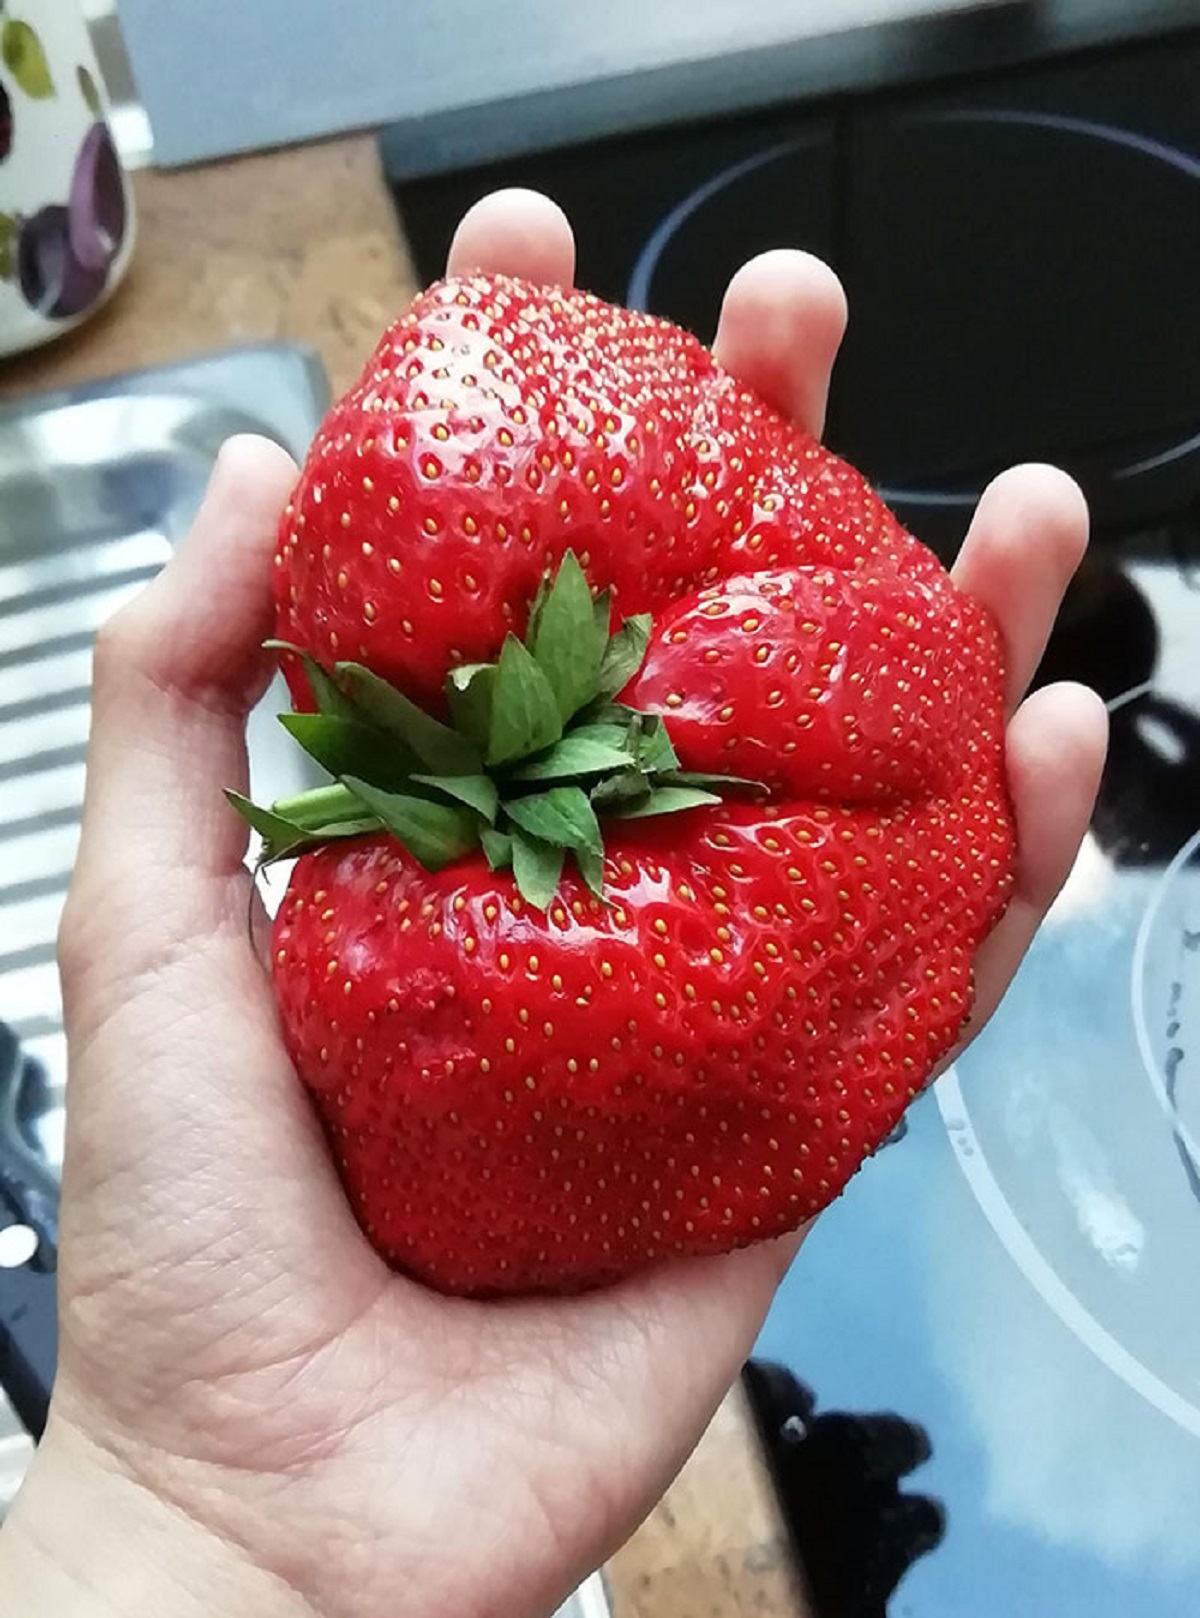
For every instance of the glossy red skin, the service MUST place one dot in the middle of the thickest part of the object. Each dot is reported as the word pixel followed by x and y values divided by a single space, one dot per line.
pixel 522 1101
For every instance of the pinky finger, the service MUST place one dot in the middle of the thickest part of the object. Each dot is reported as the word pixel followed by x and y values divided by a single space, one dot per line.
pixel 1056 745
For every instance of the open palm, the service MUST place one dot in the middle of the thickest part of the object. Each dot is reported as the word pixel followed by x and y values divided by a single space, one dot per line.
pixel 228 1338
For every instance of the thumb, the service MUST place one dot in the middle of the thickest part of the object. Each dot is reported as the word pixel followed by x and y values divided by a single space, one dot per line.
pixel 185 1121
pixel 174 675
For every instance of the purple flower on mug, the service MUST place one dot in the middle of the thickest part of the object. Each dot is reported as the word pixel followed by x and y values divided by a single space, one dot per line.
pixel 51 277
pixel 96 207
pixel 64 253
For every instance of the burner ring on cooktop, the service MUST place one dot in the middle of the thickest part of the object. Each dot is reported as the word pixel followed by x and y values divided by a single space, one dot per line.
pixel 1185 163
pixel 1164 1075
pixel 1084 1154
pixel 1075 353
pixel 1038 1270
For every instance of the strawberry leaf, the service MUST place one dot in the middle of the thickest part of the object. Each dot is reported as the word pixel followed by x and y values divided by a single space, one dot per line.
pixel 575 755
pixel 616 790
pixel 667 801
pixel 654 751
pixel 591 868
pixel 539 726
pixel 439 748
pixel 563 816
pixel 612 735
pixel 537 868
pixel 328 696
pixel 344 747
pixel 434 833
pixel 624 655
pixel 536 608
pixel 478 792
pixel 525 715
pixel 613 713
pixel 497 848
pixel 470 689
pixel 564 641
pixel 711 783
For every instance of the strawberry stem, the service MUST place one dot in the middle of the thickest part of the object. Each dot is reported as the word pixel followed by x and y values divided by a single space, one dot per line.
pixel 320 806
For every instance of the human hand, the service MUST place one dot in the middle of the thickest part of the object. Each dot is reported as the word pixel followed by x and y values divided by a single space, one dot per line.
pixel 273 1420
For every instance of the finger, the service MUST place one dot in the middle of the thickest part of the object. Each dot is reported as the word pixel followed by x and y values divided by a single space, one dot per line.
pixel 515 232
pixel 1027 538
pixel 782 320
pixel 1056 745
pixel 186 1119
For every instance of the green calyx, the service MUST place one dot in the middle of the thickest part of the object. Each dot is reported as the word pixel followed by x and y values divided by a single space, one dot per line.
pixel 536 755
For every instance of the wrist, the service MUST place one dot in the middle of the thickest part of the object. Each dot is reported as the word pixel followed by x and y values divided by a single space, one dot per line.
pixel 85 1539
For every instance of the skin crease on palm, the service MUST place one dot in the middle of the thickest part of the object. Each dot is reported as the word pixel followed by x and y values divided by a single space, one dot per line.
pixel 260 1414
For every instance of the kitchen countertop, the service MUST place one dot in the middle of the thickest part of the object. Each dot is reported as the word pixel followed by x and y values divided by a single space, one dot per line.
pixel 302 246
pixel 293 246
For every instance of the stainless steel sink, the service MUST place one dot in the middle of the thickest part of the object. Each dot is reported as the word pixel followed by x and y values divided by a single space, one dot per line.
pixel 96 487
pixel 589 1601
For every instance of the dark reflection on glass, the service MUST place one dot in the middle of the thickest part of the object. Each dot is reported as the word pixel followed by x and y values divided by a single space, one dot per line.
pixel 839 1476
pixel 28 1197
pixel 1105 633
pixel 1123 630
pixel 1149 802
pixel 26 1179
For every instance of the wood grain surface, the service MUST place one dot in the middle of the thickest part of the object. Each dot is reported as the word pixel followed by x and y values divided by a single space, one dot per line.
pixel 297 246
pixel 715 1546
pixel 303 246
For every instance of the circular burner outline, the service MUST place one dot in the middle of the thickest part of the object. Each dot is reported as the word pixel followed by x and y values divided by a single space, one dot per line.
pixel 1146 146
pixel 642 275
pixel 1137 970
pixel 1137 973
pixel 1037 1269
pixel 1001 1215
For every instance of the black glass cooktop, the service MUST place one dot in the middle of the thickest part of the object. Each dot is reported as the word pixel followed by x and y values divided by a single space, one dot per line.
pixel 1000 1326
pixel 980 1385
pixel 1021 252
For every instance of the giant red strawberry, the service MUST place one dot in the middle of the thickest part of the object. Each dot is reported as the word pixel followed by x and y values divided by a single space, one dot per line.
pixel 667 805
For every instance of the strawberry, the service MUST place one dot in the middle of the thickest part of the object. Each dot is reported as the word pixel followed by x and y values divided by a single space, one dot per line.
pixel 667 806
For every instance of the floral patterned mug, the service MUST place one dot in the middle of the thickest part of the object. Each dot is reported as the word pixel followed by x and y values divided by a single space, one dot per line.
pixel 66 207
